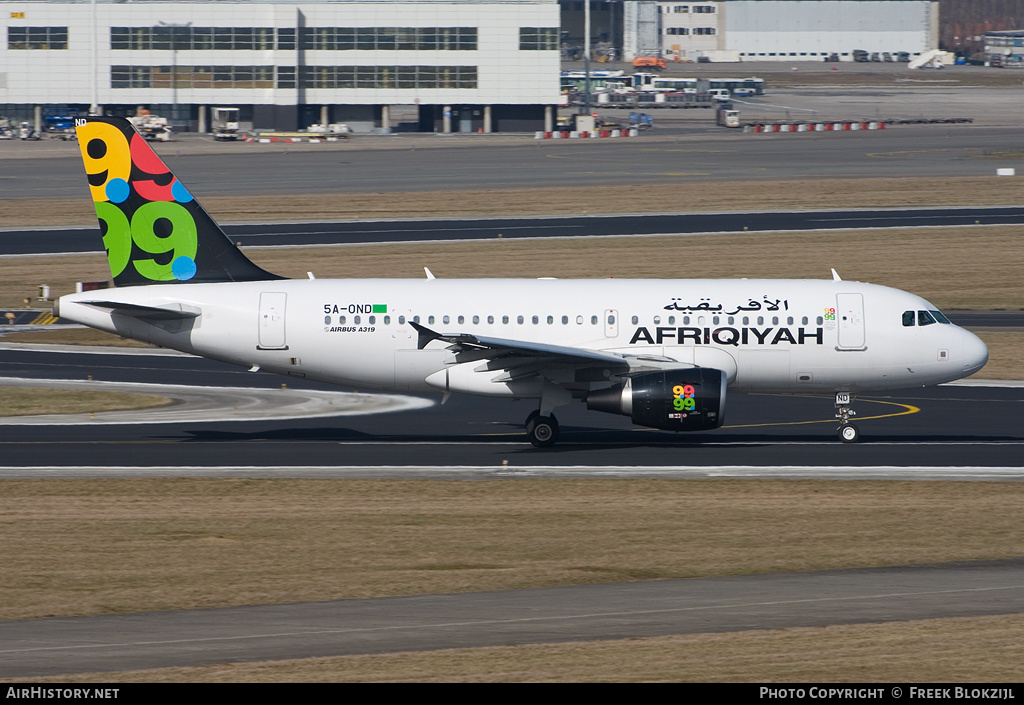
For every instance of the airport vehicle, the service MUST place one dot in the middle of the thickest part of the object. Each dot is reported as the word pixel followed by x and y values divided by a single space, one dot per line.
pixel 933 58
pixel 224 123
pixel 650 62
pixel 641 121
pixel 28 132
pixel 151 127
pixel 726 117
pixel 662 352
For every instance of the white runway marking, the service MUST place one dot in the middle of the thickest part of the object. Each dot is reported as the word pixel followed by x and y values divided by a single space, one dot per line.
pixel 838 472
pixel 199 403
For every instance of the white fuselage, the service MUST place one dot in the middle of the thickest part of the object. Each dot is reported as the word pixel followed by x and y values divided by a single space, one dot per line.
pixel 766 335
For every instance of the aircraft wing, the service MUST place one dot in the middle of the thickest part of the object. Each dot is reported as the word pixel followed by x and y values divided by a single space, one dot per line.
pixel 501 347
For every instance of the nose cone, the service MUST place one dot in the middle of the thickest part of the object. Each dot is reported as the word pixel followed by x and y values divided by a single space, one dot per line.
pixel 975 353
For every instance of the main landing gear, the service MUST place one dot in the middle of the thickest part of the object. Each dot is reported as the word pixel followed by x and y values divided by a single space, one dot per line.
pixel 542 430
pixel 848 433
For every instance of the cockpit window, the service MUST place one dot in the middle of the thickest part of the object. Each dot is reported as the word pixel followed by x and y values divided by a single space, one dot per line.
pixel 924 318
pixel 908 318
pixel 939 317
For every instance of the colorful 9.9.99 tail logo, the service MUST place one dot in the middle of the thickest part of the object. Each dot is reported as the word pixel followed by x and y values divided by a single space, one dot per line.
pixel 139 204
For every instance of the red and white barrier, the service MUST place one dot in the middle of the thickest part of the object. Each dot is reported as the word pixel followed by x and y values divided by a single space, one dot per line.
pixel 815 126
pixel 597 134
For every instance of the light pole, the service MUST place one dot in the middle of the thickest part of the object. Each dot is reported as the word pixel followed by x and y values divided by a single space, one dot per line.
pixel 94 87
pixel 586 56
pixel 174 63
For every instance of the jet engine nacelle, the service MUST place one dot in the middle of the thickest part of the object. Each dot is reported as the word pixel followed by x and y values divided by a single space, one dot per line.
pixel 673 400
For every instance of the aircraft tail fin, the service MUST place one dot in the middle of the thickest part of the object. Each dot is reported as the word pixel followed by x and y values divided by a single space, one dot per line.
pixel 153 229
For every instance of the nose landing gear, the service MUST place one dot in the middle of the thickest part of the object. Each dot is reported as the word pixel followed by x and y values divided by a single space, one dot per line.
pixel 848 433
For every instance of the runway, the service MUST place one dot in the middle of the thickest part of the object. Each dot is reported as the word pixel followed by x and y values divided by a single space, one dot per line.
pixel 412 163
pixel 544 615
pixel 70 240
pixel 952 426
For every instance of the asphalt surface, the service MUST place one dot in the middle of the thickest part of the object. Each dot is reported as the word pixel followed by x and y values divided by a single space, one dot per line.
pixel 941 427
pixel 519 161
pixel 545 615
pixel 57 240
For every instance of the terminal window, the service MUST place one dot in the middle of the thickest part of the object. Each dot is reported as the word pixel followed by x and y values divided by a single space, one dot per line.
pixel 37 37
pixel 191 76
pixel 401 77
pixel 388 38
pixel 192 38
pixel 538 38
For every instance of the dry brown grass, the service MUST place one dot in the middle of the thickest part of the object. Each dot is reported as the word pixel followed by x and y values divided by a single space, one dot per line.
pixel 954 268
pixel 1005 354
pixel 956 650
pixel 29 401
pixel 126 545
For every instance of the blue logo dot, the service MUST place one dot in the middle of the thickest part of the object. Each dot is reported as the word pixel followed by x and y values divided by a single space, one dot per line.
pixel 180 193
pixel 117 190
pixel 183 268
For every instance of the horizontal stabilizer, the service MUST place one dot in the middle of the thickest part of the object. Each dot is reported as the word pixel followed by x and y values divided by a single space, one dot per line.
pixel 153 313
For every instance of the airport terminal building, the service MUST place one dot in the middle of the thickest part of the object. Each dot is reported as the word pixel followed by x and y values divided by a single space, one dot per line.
pixel 425 65
pixel 757 30
pixel 797 30
pixel 459 65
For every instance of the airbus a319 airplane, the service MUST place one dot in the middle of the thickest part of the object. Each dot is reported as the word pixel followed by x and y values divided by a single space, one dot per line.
pixel 662 352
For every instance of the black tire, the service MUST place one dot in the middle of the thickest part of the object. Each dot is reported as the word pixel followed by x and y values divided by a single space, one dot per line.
pixel 542 430
pixel 848 433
